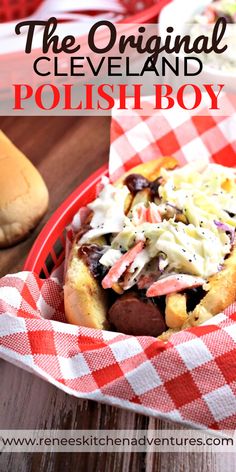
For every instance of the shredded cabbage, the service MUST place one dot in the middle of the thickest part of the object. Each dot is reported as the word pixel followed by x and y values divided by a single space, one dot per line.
pixel 203 193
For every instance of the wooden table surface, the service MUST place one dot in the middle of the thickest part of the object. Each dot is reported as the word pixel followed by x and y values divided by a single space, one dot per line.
pixel 66 151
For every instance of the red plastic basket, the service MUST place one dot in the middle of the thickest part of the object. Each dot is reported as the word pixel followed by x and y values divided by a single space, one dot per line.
pixel 16 9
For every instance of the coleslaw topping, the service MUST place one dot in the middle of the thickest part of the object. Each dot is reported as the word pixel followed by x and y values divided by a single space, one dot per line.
pixel 188 229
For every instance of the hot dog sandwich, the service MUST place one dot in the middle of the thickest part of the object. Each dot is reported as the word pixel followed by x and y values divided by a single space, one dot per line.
pixel 156 253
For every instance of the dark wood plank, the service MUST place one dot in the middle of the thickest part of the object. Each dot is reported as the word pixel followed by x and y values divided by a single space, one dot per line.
pixel 66 151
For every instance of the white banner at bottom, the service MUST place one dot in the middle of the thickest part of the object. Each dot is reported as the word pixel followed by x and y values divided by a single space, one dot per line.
pixel 117 441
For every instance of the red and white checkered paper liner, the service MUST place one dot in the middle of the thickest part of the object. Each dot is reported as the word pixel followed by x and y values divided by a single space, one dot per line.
pixel 192 378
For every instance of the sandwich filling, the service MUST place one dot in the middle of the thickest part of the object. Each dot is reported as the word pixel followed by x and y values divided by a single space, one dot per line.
pixel 175 234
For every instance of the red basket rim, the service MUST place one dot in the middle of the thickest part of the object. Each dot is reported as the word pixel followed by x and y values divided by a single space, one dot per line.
pixel 58 221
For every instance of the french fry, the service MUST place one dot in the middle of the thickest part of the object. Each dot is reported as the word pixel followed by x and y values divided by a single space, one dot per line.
pixel 176 310
pixel 143 196
pixel 128 203
pixel 182 218
pixel 117 288
pixel 151 169
pixel 157 200
pixel 229 186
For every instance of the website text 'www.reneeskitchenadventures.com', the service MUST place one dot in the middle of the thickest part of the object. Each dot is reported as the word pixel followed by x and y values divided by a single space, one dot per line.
pixel 116 441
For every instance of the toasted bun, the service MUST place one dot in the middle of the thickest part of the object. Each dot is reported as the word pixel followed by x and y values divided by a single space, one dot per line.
pixel 23 194
pixel 84 298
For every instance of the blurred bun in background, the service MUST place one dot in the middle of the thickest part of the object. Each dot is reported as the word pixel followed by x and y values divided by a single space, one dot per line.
pixel 23 194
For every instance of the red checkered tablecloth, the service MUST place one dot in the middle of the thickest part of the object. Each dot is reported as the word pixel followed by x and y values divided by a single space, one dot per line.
pixel 192 378
pixel 206 135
